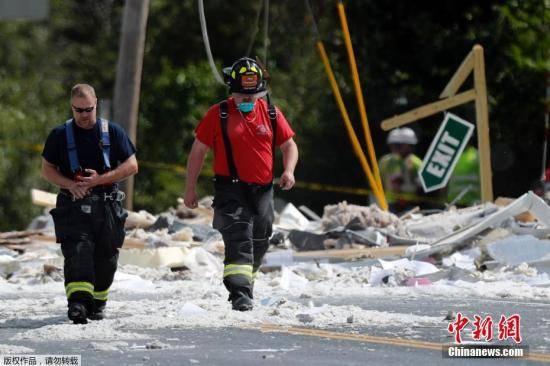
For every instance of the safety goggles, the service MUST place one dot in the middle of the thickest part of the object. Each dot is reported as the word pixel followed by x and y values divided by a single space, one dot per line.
pixel 82 110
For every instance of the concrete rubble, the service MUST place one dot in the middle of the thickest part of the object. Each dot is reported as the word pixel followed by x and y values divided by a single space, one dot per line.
pixel 486 242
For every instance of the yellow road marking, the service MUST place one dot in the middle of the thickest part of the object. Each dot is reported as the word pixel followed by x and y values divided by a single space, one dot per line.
pixel 540 357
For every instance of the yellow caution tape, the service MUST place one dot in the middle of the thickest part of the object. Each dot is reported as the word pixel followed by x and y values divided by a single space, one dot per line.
pixel 312 186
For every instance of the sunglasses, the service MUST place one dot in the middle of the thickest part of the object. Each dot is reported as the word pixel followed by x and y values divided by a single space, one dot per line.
pixel 82 110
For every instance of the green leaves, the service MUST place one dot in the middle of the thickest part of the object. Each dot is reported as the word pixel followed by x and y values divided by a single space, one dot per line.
pixel 406 52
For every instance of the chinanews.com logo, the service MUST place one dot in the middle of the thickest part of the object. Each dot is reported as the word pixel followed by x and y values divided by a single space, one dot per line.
pixel 505 343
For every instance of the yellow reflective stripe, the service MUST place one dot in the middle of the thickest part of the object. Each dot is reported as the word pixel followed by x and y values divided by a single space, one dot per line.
pixel 233 75
pixel 254 275
pixel 87 285
pixel 244 266
pixel 238 272
pixel 73 287
pixel 101 295
pixel 238 269
pixel 242 70
pixel 253 68
pixel 76 289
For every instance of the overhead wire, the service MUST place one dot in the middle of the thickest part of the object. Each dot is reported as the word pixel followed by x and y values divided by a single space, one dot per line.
pixel 266 31
pixel 181 170
pixel 204 31
pixel 255 29
pixel 206 41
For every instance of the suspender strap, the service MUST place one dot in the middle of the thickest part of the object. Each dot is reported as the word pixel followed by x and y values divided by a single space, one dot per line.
pixel 272 112
pixel 224 114
pixel 71 146
pixel 224 117
pixel 105 143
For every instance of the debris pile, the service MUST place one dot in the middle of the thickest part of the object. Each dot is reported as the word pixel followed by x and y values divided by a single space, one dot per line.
pixel 346 215
pixel 489 242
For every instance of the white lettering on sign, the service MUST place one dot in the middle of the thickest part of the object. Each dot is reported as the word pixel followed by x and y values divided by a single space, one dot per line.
pixel 445 149
pixel 444 152
pixel 434 170
pixel 441 159
pixel 443 155
pixel 447 138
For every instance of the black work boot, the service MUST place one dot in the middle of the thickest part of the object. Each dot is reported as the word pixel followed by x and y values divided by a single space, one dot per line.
pixel 98 311
pixel 240 301
pixel 77 313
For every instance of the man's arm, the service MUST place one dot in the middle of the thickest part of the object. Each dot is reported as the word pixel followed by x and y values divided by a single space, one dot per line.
pixel 127 168
pixel 290 159
pixel 194 166
pixel 51 174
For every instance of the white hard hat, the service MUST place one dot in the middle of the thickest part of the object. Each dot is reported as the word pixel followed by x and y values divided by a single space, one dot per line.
pixel 403 135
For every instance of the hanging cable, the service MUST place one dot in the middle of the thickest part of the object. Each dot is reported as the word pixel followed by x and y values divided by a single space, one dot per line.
pixel 266 30
pixel 217 75
pixel 256 28
pixel 313 22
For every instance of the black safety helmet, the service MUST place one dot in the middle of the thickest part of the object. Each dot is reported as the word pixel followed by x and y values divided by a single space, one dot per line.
pixel 245 76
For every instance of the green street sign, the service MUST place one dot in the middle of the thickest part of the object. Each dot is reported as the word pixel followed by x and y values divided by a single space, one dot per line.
pixel 443 154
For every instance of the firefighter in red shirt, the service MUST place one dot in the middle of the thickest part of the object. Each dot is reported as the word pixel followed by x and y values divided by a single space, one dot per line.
pixel 243 131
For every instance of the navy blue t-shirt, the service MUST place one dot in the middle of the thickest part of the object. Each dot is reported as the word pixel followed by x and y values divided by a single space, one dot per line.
pixel 88 148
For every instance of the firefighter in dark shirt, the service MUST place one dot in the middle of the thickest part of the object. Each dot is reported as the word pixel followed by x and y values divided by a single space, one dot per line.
pixel 86 157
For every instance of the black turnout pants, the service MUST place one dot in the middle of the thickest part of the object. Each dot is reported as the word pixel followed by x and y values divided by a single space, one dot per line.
pixel 90 231
pixel 243 213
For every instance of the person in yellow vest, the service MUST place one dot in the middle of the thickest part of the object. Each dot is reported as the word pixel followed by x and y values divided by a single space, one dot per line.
pixel 463 188
pixel 399 170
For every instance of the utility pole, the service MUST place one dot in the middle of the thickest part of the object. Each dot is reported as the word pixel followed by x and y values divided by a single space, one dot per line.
pixel 128 75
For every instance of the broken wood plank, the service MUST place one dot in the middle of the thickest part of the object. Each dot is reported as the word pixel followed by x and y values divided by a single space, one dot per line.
pixel 43 198
pixel 43 238
pixel 459 76
pixel 523 217
pixel 19 234
pixel 17 241
pixel 354 253
pixel 409 213
pixel 482 126
pixel 428 109
pixel 133 243
pixel 528 202
pixel 39 236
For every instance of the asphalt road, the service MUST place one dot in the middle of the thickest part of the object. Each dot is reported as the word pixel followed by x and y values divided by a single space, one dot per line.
pixel 277 346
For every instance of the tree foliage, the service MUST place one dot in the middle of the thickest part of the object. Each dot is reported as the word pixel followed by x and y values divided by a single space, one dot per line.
pixel 406 52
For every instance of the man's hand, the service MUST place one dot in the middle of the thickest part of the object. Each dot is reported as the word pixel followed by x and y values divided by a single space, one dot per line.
pixel 93 179
pixel 287 180
pixel 78 190
pixel 290 158
pixel 191 199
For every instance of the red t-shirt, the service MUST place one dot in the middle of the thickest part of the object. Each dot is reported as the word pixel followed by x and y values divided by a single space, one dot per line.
pixel 251 140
